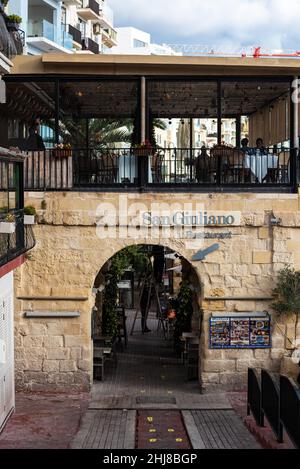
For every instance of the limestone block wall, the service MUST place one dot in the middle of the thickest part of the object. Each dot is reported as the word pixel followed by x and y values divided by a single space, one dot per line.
pixel 56 354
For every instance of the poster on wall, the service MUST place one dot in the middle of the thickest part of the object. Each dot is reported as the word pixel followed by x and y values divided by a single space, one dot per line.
pixel 240 332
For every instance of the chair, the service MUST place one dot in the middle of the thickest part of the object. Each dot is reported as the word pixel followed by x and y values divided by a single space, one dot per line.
pixel 220 154
pixel 192 362
pixel 122 328
pixel 108 168
pixel 274 175
pixel 156 166
pixel 235 170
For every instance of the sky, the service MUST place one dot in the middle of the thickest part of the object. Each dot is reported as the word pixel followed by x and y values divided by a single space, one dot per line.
pixel 234 23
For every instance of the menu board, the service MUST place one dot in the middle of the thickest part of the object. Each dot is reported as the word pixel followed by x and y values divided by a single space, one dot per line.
pixel 240 332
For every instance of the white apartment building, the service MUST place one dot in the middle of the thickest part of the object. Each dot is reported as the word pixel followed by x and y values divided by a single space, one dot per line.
pixel 69 26
pixel 132 41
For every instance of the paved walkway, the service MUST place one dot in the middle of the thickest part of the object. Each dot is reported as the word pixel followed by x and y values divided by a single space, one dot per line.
pixel 44 421
pixel 147 394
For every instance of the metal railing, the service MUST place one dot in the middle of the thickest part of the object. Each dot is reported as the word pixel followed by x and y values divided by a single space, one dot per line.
pixel 17 243
pixel 290 409
pixel 271 402
pixel 254 396
pixel 92 4
pixel 76 34
pixel 105 167
pixel 89 44
pixel 222 165
pixel 277 398
pixel 176 167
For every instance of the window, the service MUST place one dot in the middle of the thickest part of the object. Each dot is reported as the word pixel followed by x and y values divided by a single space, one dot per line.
pixel 138 43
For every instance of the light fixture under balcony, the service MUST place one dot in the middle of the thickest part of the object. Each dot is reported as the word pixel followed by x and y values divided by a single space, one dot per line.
pixel 97 29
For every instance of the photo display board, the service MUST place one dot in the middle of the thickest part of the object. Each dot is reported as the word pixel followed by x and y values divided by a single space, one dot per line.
pixel 240 332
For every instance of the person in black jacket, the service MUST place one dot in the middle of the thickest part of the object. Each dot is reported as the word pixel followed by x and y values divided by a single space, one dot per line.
pixel 143 304
pixel 34 141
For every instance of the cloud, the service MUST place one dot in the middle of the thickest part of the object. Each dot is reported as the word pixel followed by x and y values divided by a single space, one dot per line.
pixel 269 23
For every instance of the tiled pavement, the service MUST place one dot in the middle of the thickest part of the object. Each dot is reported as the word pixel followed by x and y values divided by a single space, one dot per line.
pixel 149 377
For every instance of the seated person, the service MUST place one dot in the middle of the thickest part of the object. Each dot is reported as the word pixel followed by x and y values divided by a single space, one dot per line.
pixel 34 141
pixel 260 146
pixel 244 145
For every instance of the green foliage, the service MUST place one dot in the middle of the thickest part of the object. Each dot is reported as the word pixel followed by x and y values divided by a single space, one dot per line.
pixel 184 313
pixel 131 256
pixel 14 19
pixel 29 210
pixel 287 292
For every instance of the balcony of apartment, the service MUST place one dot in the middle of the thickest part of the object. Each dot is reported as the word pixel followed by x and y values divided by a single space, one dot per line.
pixel 43 35
pixel 89 10
pixel 89 45
pixel 76 3
pixel 106 16
pixel 76 36
pixel 16 238
pixel 109 37
pixel 98 125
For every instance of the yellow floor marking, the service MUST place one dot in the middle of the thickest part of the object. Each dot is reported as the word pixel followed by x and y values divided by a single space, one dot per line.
pixel 170 392
pixel 153 440
pixel 152 430
pixel 143 390
pixel 179 440
pixel 150 419
pixel 171 430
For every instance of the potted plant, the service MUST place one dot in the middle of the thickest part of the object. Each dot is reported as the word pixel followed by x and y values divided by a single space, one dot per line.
pixel 143 149
pixel 29 215
pixel 62 150
pixel 287 298
pixel 8 224
pixel 13 22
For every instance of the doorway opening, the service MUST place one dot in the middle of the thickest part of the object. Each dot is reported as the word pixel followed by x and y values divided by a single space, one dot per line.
pixel 146 324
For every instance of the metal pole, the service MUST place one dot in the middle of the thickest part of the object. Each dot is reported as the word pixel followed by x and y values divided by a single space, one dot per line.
pixel 191 149
pixel 219 157
pixel 238 131
pixel 143 109
pixel 294 131
pixel 219 100
pixel 57 111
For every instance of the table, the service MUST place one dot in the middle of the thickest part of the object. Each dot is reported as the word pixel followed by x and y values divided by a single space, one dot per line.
pixel 259 163
pixel 128 168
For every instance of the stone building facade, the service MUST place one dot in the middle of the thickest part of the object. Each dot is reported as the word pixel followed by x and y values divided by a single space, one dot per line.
pixel 54 298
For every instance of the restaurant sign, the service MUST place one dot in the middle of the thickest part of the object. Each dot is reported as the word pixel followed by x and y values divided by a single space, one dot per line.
pixel 192 219
pixel 231 332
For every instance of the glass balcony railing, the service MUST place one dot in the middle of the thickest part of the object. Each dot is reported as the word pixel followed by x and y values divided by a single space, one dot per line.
pixel 41 29
pixel 107 12
pixel 48 30
pixel 66 38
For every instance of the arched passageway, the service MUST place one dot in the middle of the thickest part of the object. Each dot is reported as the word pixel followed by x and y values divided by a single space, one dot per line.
pixel 146 297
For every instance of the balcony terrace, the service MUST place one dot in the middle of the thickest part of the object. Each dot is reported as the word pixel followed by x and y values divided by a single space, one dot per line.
pixel 89 10
pixel 99 120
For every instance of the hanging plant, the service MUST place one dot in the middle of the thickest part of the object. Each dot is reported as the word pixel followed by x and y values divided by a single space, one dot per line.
pixel 132 255
pixel 184 313
pixel 287 295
